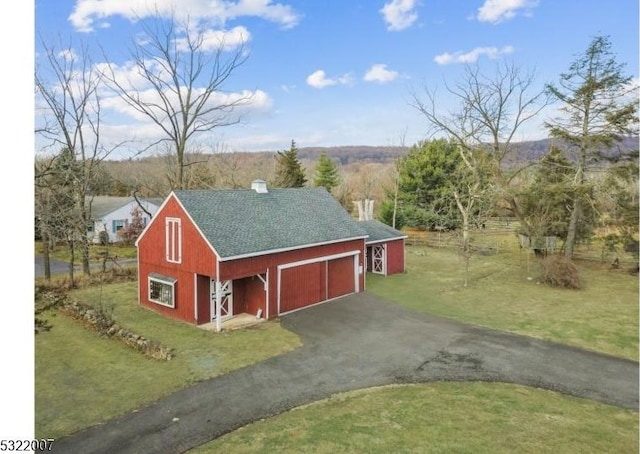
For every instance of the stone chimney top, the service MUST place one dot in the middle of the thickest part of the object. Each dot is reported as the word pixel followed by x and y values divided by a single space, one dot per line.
pixel 260 186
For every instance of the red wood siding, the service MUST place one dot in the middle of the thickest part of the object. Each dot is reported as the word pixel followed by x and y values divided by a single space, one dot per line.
pixel 249 296
pixel 341 277
pixel 204 299
pixel 251 266
pixel 196 258
pixel 395 257
pixel 301 286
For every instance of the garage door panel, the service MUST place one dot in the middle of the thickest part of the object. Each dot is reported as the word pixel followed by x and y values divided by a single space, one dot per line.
pixel 301 286
pixel 341 277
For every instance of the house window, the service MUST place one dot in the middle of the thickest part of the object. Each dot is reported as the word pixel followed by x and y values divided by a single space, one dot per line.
pixel 173 240
pixel 162 290
pixel 118 224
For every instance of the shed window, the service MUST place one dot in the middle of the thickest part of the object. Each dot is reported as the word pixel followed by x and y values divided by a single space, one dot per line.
pixel 173 240
pixel 162 290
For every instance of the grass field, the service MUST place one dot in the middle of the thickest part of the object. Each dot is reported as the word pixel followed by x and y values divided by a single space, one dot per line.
pixel 96 252
pixel 441 418
pixel 503 293
pixel 603 316
pixel 82 379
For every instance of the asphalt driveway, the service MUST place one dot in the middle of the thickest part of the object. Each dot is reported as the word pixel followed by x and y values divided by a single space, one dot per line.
pixel 56 266
pixel 356 342
pixel 60 267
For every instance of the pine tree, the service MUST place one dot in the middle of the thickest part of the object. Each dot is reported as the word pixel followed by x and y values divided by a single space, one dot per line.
pixel 548 201
pixel 598 107
pixel 326 173
pixel 289 173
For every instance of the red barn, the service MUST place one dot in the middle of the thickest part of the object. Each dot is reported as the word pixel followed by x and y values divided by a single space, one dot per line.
pixel 385 248
pixel 209 254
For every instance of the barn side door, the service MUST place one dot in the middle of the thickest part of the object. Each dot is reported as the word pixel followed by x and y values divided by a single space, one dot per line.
pixel 378 259
pixel 226 299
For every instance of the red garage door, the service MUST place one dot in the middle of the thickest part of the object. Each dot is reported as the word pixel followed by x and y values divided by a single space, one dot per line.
pixel 312 283
pixel 341 279
pixel 301 286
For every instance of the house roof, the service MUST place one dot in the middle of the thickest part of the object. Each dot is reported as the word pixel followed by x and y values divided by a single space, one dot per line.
pixel 103 205
pixel 379 231
pixel 244 222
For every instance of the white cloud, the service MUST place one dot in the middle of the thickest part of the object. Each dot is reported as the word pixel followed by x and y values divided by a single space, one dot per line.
pixel 213 39
pixel 496 11
pixel 379 73
pixel 399 14
pixel 68 55
pixel 319 79
pixel 472 56
pixel 87 12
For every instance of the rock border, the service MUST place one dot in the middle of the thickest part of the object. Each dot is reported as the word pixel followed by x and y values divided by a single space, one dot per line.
pixel 106 326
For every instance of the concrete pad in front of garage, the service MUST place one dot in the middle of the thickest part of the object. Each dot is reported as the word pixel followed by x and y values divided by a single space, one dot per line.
pixel 356 342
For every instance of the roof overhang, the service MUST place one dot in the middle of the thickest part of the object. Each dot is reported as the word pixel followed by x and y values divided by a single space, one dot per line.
pixel 303 246
pixel 386 240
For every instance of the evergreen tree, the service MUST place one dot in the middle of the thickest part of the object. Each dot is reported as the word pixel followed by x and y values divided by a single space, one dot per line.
pixel 326 173
pixel 598 107
pixel 425 186
pixel 289 173
pixel 548 201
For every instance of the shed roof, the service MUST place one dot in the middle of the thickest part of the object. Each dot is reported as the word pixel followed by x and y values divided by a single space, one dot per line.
pixel 379 231
pixel 243 222
pixel 103 205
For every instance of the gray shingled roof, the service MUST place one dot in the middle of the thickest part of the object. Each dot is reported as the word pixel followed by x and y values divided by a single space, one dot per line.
pixel 379 231
pixel 103 205
pixel 244 222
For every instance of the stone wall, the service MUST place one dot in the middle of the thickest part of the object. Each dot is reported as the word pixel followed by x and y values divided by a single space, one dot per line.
pixel 104 324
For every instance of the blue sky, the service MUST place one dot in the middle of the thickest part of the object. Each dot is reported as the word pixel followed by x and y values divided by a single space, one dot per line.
pixel 329 73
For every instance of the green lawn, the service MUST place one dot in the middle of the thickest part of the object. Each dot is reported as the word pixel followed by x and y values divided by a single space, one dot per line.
pixel 96 252
pixel 603 316
pixel 441 418
pixel 82 379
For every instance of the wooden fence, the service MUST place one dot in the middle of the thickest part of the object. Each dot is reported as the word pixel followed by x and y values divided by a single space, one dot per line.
pixel 500 235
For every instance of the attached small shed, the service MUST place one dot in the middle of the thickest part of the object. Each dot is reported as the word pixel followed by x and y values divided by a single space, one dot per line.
pixel 210 254
pixel 385 248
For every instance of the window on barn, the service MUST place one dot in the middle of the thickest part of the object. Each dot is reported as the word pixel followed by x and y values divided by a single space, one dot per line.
pixel 162 290
pixel 118 224
pixel 173 240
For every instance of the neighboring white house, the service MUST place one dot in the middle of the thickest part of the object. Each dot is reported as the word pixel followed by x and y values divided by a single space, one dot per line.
pixel 111 214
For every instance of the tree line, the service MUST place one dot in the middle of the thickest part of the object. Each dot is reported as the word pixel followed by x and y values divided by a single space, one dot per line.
pixel 452 182
pixel 587 177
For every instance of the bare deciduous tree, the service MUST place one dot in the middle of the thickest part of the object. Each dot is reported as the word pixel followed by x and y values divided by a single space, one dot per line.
pixel 69 117
pixel 490 112
pixel 184 77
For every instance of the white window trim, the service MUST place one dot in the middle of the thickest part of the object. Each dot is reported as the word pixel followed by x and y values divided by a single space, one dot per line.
pixel 122 223
pixel 170 226
pixel 164 281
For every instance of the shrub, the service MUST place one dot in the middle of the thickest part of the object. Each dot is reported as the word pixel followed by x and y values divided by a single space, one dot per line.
pixel 559 271
pixel 103 238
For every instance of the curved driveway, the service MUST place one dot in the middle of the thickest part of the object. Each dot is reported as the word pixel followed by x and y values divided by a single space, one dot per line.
pixel 356 342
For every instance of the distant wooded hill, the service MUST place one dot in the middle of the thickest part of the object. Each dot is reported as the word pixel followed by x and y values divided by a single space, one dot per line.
pixel 529 151
pixel 365 170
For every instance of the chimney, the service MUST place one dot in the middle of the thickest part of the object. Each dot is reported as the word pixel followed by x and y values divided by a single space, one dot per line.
pixel 260 186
